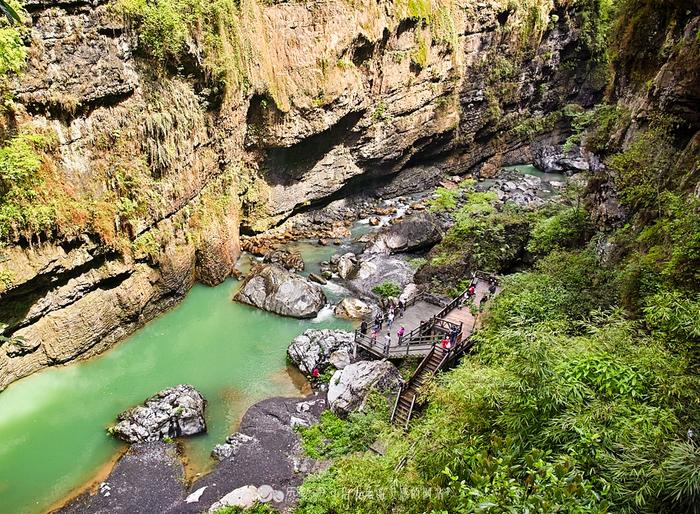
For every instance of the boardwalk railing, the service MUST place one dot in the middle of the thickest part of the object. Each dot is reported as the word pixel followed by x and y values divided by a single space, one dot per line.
pixel 420 339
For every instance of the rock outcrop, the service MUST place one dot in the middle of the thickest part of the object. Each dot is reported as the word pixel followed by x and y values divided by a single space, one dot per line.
pixel 349 387
pixel 291 261
pixel 352 308
pixel 346 265
pixel 313 348
pixel 174 412
pixel 272 288
pixel 150 477
pixel 264 460
pixel 415 232
pixel 378 268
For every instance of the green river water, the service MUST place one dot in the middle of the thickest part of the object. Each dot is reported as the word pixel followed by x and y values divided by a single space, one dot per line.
pixel 52 424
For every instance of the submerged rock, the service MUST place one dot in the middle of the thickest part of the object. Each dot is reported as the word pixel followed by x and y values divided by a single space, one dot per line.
pixel 349 387
pixel 177 411
pixel 352 308
pixel 318 279
pixel 272 288
pixel 313 348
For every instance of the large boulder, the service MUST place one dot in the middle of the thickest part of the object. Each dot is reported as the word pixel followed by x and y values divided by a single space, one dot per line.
pixel 415 232
pixel 347 265
pixel 177 411
pixel 556 159
pixel 352 308
pixel 350 386
pixel 378 268
pixel 272 288
pixel 313 348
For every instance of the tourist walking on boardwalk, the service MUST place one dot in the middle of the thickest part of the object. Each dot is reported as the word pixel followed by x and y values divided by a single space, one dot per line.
pixel 492 286
pixel 400 334
pixel 390 318
pixel 387 342
pixel 445 343
pixel 375 333
pixel 453 336
pixel 402 308
pixel 363 327
pixel 482 302
pixel 471 291
pixel 379 320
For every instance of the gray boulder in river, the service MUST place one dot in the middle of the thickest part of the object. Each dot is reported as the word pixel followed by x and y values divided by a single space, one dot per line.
pixel 272 288
pixel 412 233
pixel 350 386
pixel 314 348
pixel 172 412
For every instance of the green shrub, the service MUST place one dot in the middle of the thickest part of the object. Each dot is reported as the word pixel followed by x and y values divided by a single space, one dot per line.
pixel 387 289
pixel 445 199
pixel 21 211
pixel 566 229
pixel 421 52
pixel 332 436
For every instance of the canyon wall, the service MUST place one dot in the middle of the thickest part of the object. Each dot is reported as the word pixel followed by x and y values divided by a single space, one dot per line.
pixel 150 170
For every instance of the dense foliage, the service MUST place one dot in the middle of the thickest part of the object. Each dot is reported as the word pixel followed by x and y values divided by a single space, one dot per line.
pixel 567 406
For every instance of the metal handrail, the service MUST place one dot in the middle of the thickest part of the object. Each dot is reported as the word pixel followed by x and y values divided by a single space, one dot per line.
pixel 396 404
pixel 410 411
pixel 421 336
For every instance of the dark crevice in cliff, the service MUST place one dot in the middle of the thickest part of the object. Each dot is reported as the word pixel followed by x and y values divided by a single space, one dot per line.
pixel 67 5
pixel 67 111
pixel 16 303
pixel 362 50
pixel 378 173
pixel 286 165
pixel 431 149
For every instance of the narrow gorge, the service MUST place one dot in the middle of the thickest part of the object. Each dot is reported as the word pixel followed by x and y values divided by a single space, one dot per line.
pixel 331 155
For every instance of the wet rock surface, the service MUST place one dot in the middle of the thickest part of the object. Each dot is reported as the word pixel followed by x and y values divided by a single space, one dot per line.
pixel 174 412
pixel 270 455
pixel 350 386
pixel 149 478
pixel 272 288
pixel 313 348
pixel 262 462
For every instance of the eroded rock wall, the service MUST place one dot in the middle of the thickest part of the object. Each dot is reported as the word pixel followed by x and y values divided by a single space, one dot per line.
pixel 160 170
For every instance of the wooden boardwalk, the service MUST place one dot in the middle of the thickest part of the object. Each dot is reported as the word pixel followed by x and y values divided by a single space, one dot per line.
pixel 462 313
pixel 426 325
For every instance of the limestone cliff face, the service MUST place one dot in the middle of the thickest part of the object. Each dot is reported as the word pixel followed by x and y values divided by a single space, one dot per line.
pixel 159 168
